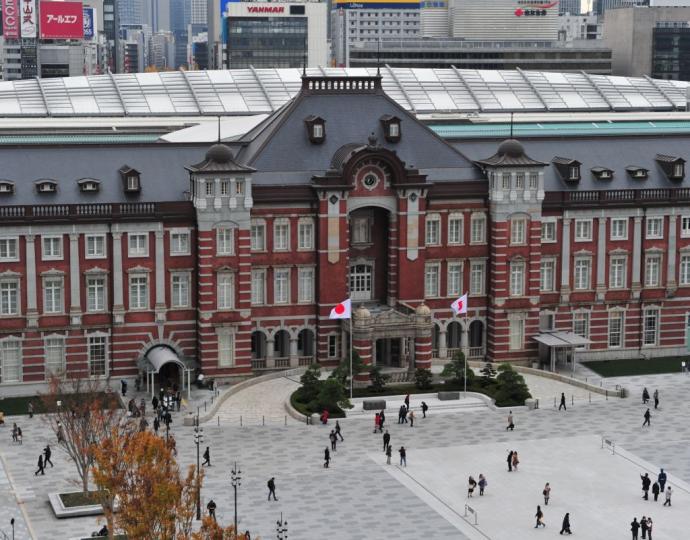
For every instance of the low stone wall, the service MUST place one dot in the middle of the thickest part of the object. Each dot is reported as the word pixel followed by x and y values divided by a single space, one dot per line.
pixel 294 413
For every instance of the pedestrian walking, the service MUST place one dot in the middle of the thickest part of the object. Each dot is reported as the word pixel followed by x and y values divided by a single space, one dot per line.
pixel 516 461
pixel 123 387
pixel 562 405
pixel 20 436
pixel 41 466
pixel 402 415
pixel 540 518
pixel 403 456
pixel 389 453
pixel 30 408
pixel 656 398
pixel 47 454
pixel 407 402
pixel 647 418
pixel 326 458
pixel 386 440
pixel 425 408
pixel 142 407
pixel 643 526
pixel 511 424
pixel 565 528
pixel 410 415
pixel 207 457
pixel 547 494
pixel 154 403
pixel 14 432
pixel 634 527
pixel 471 484
pixel 510 461
pixel 382 419
pixel 377 422
pixel 334 439
pixel 60 433
pixel 211 506
pixel 143 424
pixel 156 425
pixel 662 480
pixel 482 484
pixel 272 488
pixel 178 400
pixel 645 396
pixel 655 491
pixel 669 492
pixel 646 482
pixel 649 528
pixel 337 430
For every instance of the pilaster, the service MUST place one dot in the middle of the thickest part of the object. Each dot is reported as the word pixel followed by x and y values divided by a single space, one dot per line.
pixel 74 275
pixel 31 305
pixel 160 276
pixel 637 258
pixel 118 290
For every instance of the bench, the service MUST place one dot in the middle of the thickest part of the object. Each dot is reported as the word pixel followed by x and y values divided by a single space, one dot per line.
pixel 446 396
pixel 374 404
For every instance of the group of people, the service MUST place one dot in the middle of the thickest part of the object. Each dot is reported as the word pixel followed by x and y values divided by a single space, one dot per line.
pixel 645 397
pixel 16 433
pixel 645 525
pixel 513 461
pixel 565 525
pixel 43 460
pixel 472 484
pixel 658 487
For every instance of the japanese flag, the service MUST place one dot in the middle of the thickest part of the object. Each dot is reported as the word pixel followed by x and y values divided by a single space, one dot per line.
pixel 460 305
pixel 342 310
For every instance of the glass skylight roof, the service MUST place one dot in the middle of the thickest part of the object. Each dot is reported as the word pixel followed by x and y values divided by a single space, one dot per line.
pixel 254 91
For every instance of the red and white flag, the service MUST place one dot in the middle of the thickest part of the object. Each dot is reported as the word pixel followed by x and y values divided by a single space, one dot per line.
pixel 460 305
pixel 342 310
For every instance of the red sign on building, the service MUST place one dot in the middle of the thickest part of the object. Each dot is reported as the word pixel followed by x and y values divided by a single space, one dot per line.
pixel 10 19
pixel 62 20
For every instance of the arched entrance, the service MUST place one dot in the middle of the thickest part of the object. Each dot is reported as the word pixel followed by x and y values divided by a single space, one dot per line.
pixel 165 368
pixel 369 254
pixel 476 339
pixel 258 349
pixel 435 340
pixel 305 346
pixel 453 337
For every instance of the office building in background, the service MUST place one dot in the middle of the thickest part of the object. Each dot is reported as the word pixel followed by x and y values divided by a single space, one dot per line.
pixel 504 19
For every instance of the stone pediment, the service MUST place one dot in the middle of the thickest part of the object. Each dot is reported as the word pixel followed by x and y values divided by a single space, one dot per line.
pixel 391 317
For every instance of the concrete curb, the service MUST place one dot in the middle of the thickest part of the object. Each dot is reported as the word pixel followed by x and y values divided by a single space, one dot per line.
pixel 294 413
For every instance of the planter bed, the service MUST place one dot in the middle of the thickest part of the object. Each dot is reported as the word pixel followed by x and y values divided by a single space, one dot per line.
pixel 74 504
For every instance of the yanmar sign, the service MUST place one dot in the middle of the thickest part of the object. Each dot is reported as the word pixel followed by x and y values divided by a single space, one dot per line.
pixel 266 9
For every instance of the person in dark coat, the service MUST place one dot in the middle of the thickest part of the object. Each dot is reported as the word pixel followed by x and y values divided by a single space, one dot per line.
pixel 647 418
pixel 562 405
pixel 645 396
pixel 510 461
pixel 655 491
pixel 337 430
pixel 47 453
pixel 211 506
pixel 565 528
pixel 646 482
pixel 156 425
pixel 154 403
pixel 41 466
pixel 634 527
pixel 403 456
pixel 656 398
pixel 407 402
pixel 644 526
pixel 386 440
pixel 334 439
pixel 662 480
pixel 326 458
pixel 207 457
pixel 540 518
pixel 389 453
pixel 272 488
pixel 425 408
pixel 382 419
pixel 123 386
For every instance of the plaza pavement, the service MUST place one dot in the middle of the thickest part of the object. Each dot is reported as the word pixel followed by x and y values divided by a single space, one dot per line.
pixel 358 498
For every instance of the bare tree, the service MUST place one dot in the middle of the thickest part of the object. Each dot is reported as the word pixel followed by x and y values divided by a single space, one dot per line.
pixel 81 412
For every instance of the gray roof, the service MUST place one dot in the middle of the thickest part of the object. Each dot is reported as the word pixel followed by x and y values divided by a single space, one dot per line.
pixel 252 91
pixel 615 153
pixel 162 168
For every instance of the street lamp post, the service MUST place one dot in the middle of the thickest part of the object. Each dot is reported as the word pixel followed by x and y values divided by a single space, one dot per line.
pixel 281 528
pixel 236 477
pixel 12 523
pixel 198 439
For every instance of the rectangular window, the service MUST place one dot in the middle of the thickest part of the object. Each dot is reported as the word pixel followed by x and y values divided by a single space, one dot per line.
pixel 95 246
pixel 617 273
pixel 305 235
pixel 517 334
pixel 9 298
pixel 615 329
pixel 517 278
pixel 9 249
pixel 583 270
pixel 52 247
pixel 619 229
pixel 179 243
pixel 546 321
pixel 685 226
pixel 548 232
pixel 224 188
pixel 305 285
pixel 52 295
pixel 583 230
pixel 138 292
pixel 55 357
pixel 433 230
pixel 581 324
pixel 258 287
pixel 281 235
pixel 258 236
pixel 281 286
pixel 651 326
pixel 97 348
pixel 210 189
pixel 431 280
pixel 477 277
pixel 478 230
pixel 505 180
pixel 226 349
pixel 685 270
pixel 239 187
pixel 361 230
pixel 226 291
pixel 455 229
pixel 533 180
pixel 655 227
pixel 138 244
pixel 10 361
pixel 547 275
pixel 454 279
pixel 95 294
pixel 520 180
pixel 224 241
pixel 517 231
pixel 652 274
pixel 332 346
pixel 179 290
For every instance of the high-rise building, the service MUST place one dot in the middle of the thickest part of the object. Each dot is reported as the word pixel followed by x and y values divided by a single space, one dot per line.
pixel 162 50
pixel 180 17
pixel 569 6
pixel 602 6
pixel 199 10
pixel 130 12
pixel 434 18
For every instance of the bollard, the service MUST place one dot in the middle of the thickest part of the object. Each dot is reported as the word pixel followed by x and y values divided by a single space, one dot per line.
pixel 211 400
pixel 286 420
pixel 263 420
pixel 572 400
pixel 554 402
pixel 606 392
pixel 218 420
pixel 240 420
pixel 204 406
pixel 590 397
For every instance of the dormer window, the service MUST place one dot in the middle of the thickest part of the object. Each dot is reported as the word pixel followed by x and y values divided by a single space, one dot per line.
pixel 88 185
pixel 673 166
pixel 316 129
pixel 46 186
pixel 131 179
pixel 638 173
pixel 568 169
pixel 6 188
pixel 602 173
pixel 391 128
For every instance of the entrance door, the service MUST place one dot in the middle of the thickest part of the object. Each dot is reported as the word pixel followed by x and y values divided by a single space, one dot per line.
pixel 361 282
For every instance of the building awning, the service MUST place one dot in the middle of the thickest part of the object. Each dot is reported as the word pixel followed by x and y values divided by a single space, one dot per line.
pixel 159 356
pixel 561 339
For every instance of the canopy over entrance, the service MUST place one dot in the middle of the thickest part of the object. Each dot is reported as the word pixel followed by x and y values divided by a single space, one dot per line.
pixel 159 356
pixel 559 347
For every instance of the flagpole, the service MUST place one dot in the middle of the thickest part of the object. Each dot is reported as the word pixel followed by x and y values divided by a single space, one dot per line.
pixel 351 374
pixel 467 343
